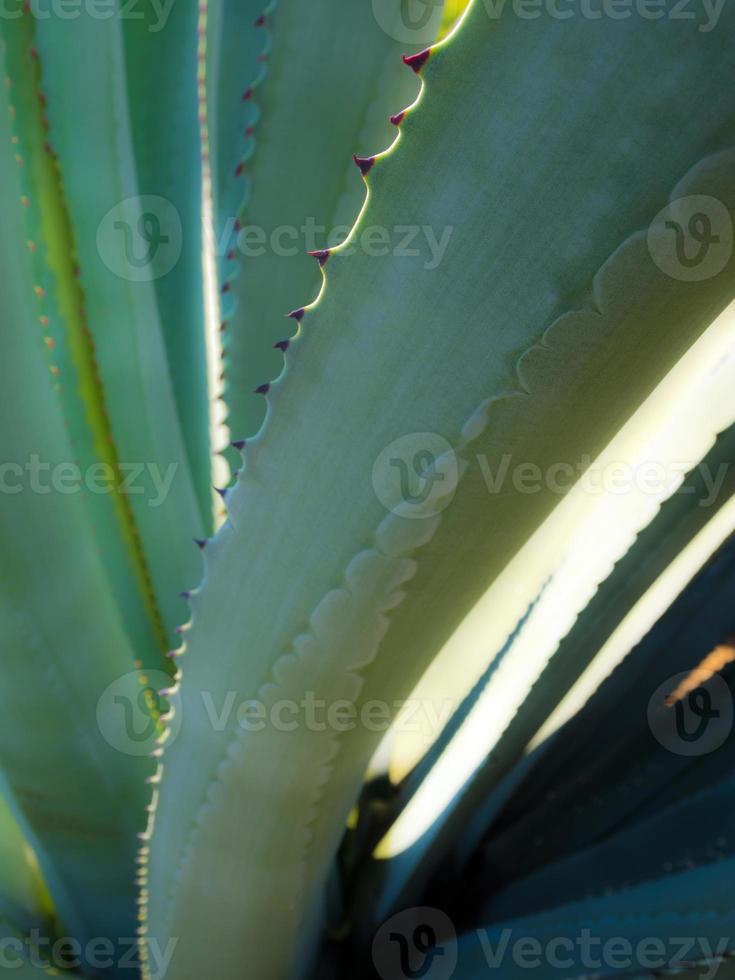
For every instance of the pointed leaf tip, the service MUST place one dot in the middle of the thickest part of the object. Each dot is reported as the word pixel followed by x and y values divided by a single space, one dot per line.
pixel 365 164
pixel 417 61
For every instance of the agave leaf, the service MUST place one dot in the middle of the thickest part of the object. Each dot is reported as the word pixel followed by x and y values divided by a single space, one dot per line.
pixel 237 47
pixel 60 317
pixel 161 59
pixel 454 836
pixel 518 375
pixel 118 229
pixel 238 44
pixel 64 641
pixel 677 522
pixel 633 764
pixel 23 895
pixel 329 84
pixel 690 913
pixel 418 774
pixel 692 832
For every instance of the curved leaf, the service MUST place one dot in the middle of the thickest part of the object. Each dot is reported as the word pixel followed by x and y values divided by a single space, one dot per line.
pixel 480 353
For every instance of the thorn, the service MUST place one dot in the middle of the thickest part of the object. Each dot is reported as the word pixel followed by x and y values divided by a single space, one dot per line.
pixel 417 61
pixel 282 345
pixel 201 543
pixel 240 169
pixel 227 287
pixel 297 315
pixel 321 255
pixel 249 131
pixel 238 444
pixel 263 389
pixel 365 164
pixel 220 491
pixel 260 21
pixel 247 95
pixel 398 118
pixel 238 225
pixel 185 595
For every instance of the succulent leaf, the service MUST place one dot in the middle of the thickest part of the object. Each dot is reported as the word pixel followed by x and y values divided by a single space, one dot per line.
pixel 122 234
pixel 64 640
pixel 677 522
pixel 24 898
pixel 70 353
pixel 633 774
pixel 318 103
pixel 555 356
pixel 162 76
pixel 693 903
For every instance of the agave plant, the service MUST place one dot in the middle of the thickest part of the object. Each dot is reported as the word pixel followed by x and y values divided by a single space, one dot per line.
pixel 501 235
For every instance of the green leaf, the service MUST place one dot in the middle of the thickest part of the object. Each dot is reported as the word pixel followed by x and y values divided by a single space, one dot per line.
pixel 238 43
pixel 60 318
pixel 161 59
pixel 692 832
pixel 538 333
pixel 299 182
pixel 688 917
pixel 64 640
pixel 680 518
pixel 622 770
pixel 24 897
pixel 118 229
